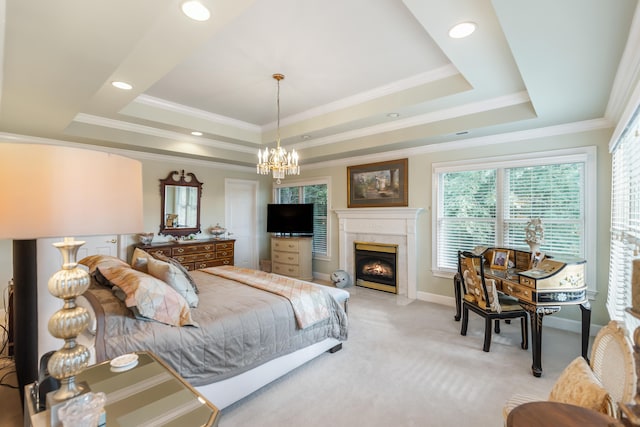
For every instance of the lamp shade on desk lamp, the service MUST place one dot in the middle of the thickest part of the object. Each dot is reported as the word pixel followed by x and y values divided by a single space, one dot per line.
pixel 58 191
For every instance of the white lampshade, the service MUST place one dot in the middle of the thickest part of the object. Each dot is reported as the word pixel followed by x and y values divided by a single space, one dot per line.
pixel 55 191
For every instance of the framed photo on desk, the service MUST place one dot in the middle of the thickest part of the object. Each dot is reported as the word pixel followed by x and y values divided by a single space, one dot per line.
pixel 500 259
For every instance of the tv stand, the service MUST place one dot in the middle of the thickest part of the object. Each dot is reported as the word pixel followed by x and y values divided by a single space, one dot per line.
pixel 292 256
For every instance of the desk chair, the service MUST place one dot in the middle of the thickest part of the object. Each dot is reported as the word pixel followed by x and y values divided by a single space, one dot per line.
pixel 482 297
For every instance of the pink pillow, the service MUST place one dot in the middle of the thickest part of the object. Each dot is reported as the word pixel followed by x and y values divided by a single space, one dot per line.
pixel 151 297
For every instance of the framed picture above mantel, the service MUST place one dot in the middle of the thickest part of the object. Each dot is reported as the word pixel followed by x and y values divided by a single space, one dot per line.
pixel 380 184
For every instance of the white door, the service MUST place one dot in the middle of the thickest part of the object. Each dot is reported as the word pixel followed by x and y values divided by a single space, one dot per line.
pixel 49 261
pixel 241 206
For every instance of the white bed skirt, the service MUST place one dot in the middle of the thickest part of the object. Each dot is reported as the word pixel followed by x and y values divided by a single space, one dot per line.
pixel 226 392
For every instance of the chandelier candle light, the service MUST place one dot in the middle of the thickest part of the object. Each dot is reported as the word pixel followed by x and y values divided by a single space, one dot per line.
pixel 277 160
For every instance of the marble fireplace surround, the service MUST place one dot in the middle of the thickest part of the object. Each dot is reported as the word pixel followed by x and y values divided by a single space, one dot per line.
pixel 396 226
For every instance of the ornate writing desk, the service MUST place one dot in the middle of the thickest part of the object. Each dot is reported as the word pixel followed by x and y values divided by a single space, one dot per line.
pixel 544 290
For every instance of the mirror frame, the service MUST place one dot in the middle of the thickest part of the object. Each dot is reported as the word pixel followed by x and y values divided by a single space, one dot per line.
pixel 179 179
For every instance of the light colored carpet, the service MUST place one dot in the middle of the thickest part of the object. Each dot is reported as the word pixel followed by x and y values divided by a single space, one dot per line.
pixel 406 364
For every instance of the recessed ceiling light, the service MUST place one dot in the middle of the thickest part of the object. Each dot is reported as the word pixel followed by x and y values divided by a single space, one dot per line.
pixel 393 115
pixel 122 85
pixel 462 30
pixel 196 10
pixel 196 133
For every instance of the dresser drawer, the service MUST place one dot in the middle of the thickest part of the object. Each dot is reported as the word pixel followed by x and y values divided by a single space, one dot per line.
pixel 218 262
pixel 223 246
pixel 285 245
pixel 196 257
pixel 286 257
pixel 523 293
pixel 209 263
pixel 285 269
pixel 224 253
pixel 189 266
pixel 192 249
pixel 157 252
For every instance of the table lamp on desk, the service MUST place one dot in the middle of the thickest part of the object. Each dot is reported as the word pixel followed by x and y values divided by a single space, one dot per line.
pixel 53 191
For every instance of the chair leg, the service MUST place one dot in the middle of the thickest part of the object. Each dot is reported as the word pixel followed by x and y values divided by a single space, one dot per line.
pixel 487 334
pixel 465 321
pixel 497 326
pixel 524 329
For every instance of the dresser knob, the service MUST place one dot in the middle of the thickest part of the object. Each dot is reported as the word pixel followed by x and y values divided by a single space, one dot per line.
pixel 180 250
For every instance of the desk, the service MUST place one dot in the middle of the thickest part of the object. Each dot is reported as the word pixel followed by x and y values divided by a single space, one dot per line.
pixel 546 414
pixel 151 392
pixel 544 291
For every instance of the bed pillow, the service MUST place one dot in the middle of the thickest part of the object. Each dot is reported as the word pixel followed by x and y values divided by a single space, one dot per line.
pixel 149 296
pixel 578 385
pixel 139 260
pixel 180 267
pixel 94 261
pixel 172 276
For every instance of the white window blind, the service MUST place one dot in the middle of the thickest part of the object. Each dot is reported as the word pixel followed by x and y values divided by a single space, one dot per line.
pixel 625 222
pixel 467 213
pixel 310 192
pixel 555 194
pixel 491 206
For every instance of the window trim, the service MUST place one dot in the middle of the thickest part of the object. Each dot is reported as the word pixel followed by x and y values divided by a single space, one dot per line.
pixel 326 180
pixel 571 155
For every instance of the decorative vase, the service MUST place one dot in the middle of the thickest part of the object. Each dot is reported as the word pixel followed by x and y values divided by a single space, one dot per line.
pixel 534 247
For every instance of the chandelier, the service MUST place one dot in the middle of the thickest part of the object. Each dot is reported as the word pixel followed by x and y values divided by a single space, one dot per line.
pixel 277 160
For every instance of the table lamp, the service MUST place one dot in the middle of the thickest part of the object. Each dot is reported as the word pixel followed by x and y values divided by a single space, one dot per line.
pixel 59 191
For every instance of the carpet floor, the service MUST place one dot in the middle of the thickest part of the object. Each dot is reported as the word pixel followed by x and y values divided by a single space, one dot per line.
pixel 406 364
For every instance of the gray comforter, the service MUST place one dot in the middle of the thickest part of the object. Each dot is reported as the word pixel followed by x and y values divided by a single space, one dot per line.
pixel 241 327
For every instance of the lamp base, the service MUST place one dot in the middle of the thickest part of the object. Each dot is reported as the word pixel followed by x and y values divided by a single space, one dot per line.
pixel 68 322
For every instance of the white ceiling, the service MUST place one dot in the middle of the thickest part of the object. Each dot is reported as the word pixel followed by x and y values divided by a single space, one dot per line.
pixel 348 63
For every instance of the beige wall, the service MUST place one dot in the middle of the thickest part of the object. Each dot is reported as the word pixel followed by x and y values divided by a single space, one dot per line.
pixel 420 184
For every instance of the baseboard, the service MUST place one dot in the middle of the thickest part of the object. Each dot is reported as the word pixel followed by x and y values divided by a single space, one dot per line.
pixel 549 321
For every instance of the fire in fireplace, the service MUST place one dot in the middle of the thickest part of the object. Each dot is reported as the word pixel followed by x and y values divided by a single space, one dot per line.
pixel 375 266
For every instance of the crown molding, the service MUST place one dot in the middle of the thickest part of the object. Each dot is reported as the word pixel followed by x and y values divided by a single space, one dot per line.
pixel 160 133
pixel 628 74
pixel 422 119
pixel 379 92
pixel 162 104
pixel 470 143
pixel 138 155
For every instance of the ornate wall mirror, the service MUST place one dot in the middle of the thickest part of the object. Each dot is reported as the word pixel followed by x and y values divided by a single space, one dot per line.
pixel 180 204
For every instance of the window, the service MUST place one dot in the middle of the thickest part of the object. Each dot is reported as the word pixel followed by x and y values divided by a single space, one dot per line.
pixel 488 203
pixel 316 192
pixel 625 221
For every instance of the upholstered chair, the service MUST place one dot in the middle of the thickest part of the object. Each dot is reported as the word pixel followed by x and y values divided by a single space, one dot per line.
pixel 601 384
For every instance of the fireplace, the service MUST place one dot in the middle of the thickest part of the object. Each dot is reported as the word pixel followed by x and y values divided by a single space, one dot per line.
pixel 395 226
pixel 376 265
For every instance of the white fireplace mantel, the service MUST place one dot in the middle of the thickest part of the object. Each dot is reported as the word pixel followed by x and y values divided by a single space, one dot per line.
pixel 382 225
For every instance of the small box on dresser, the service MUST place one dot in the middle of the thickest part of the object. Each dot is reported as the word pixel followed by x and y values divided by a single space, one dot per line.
pixel 196 254
pixel 292 256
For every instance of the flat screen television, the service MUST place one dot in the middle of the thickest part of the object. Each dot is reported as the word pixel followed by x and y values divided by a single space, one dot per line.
pixel 291 218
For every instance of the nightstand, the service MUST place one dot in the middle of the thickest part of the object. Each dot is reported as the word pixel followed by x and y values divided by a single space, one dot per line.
pixel 149 392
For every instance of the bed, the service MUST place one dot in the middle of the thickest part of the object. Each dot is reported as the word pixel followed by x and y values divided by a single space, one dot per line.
pixel 248 329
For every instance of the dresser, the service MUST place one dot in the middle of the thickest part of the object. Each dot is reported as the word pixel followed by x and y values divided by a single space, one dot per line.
pixel 292 256
pixel 196 254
